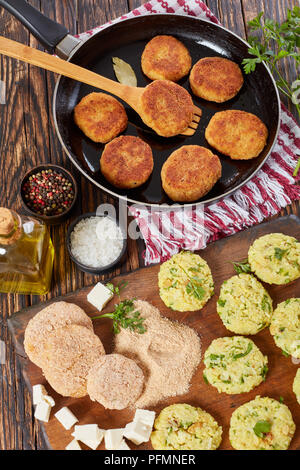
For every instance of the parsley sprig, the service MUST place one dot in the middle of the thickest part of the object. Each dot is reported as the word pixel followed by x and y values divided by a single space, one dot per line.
pixel 125 316
pixel 193 286
pixel 262 428
pixel 274 43
pixel 242 266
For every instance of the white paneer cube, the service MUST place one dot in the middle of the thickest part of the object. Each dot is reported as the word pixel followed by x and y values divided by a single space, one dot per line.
pixel 137 432
pixel 38 392
pixel 89 434
pixel 66 417
pixel 42 411
pixel 99 296
pixel 49 400
pixel 145 416
pixel 123 446
pixel 73 445
pixel 113 438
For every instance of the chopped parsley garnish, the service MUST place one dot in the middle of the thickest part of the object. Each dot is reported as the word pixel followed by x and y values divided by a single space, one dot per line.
pixel 262 428
pixel 286 354
pixel 264 372
pixel 265 303
pixel 196 290
pixel 222 302
pixel 193 287
pixel 242 266
pixel 279 253
pixel 205 379
pixel 281 399
pixel 248 350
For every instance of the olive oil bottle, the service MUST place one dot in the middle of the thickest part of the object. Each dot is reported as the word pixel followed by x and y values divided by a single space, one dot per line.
pixel 26 254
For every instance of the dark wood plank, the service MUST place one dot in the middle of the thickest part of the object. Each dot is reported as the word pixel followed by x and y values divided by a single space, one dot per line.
pixel 143 284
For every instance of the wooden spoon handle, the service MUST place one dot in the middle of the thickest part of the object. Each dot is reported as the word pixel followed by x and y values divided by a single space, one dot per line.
pixel 54 64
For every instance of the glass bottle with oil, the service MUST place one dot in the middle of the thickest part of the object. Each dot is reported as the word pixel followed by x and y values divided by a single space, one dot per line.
pixel 26 254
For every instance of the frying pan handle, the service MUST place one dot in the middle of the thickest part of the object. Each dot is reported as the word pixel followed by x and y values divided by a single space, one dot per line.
pixel 46 31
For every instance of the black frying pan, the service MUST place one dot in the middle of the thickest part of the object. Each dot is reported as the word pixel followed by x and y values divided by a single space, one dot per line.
pixel 127 40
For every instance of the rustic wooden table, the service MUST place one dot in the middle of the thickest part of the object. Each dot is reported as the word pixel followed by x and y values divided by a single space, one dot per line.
pixel 27 138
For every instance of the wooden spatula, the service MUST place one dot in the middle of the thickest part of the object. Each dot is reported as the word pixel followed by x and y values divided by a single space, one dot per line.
pixel 131 95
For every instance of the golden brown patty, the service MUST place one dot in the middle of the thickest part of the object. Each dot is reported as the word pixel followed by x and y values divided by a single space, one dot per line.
pixel 190 172
pixel 127 162
pixel 216 79
pixel 166 107
pixel 115 381
pixel 166 58
pixel 100 117
pixel 56 315
pixel 238 134
pixel 68 355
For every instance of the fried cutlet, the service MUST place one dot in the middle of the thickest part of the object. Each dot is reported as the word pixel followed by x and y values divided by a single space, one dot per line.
pixel 238 134
pixel 190 172
pixel 100 117
pixel 166 58
pixel 167 108
pixel 127 162
pixel 216 79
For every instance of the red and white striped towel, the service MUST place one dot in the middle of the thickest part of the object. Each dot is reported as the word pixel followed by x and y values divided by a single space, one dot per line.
pixel 271 189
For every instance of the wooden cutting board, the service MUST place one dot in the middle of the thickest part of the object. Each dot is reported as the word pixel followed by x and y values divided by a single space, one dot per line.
pixel 143 284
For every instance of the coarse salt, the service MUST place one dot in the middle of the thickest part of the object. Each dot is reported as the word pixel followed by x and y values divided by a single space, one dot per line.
pixel 96 241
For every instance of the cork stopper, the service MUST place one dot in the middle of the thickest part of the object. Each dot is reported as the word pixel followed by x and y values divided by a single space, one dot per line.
pixel 10 227
pixel 7 221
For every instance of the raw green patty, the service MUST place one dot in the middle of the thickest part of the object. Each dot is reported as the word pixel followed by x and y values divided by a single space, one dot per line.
pixel 261 424
pixel 296 386
pixel 234 365
pixel 244 305
pixel 275 258
pixel 285 327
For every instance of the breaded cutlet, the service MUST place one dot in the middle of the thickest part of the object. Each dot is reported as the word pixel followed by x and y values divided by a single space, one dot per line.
pixel 126 162
pixel 238 134
pixel 115 382
pixel 56 315
pixel 100 117
pixel 166 58
pixel 68 355
pixel 216 79
pixel 167 108
pixel 190 172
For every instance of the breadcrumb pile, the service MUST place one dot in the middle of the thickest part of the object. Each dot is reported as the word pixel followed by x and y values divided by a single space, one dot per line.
pixel 168 353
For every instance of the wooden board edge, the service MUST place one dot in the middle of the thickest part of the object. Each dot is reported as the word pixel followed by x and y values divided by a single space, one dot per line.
pixel 12 320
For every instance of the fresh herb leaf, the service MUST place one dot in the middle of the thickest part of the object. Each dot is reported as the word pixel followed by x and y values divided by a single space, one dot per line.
pixel 125 316
pixel 194 289
pixel 265 303
pixel 262 428
pixel 264 372
pixel 242 266
pixel 279 253
pixel 124 72
pixel 221 302
pixel 248 350
pixel 286 354
pixel 281 399
pixel 205 379
pixel 117 289
pixel 272 43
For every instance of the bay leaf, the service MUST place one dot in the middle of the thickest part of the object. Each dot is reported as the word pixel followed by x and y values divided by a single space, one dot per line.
pixel 124 72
